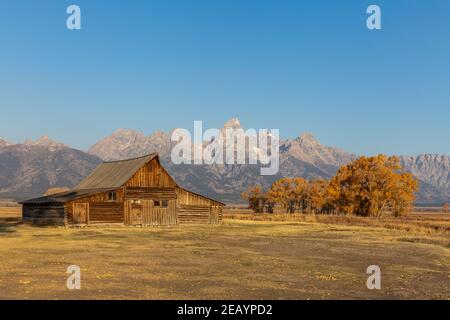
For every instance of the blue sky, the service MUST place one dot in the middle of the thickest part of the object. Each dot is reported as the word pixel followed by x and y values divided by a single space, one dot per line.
pixel 293 65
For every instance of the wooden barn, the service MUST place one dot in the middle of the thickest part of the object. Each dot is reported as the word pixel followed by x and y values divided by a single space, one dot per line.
pixel 133 192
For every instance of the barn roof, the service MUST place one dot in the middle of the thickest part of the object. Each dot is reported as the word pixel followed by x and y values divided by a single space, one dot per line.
pixel 114 174
pixel 65 196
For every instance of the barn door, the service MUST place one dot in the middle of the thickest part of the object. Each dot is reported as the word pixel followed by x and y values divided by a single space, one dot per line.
pixel 136 213
pixel 80 212
pixel 160 213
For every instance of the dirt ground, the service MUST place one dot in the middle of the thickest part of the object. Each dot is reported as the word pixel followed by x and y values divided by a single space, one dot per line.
pixel 236 260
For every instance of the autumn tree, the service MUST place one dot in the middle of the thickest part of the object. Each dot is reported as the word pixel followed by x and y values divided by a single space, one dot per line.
pixel 315 196
pixel 299 187
pixel 269 204
pixel 281 193
pixel 402 193
pixel 445 208
pixel 255 197
pixel 288 193
pixel 370 186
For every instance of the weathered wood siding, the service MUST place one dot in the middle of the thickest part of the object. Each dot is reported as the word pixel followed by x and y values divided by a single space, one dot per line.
pixel 189 198
pixel 44 214
pixel 188 214
pixel 106 212
pixel 194 208
pixel 151 175
pixel 139 193
pixel 96 198
pixel 80 213
pixel 144 213
pixel 101 197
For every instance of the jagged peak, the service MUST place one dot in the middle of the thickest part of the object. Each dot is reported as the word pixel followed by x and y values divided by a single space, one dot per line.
pixel 126 132
pixel 136 135
pixel 159 133
pixel 44 141
pixel 233 123
pixel 307 138
pixel 4 143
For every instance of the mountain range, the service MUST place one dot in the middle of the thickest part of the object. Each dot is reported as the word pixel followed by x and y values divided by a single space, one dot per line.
pixel 30 168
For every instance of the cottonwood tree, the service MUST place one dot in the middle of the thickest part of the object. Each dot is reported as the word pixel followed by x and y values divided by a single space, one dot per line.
pixel 371 186
pixel 288 193
pixel 281 193
pixel 315 196
pixel 255 197
pixel 299 192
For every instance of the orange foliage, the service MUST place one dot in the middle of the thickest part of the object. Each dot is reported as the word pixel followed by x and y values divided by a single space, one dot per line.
pixel 370 186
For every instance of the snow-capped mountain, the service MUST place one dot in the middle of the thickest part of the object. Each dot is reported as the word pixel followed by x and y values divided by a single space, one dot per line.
pixel 32 167
pixel 303 156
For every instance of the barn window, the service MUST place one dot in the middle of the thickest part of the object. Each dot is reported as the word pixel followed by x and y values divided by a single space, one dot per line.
pixel 112 196
pixel 161 203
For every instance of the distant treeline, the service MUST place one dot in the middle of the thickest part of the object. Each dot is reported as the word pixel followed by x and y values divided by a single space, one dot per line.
pixel 368 186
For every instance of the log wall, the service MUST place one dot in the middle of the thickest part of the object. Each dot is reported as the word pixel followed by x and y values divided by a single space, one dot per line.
pixel 191 214
pixel 101 197
pixel 106 212
pixel 194 208
pixel 44 214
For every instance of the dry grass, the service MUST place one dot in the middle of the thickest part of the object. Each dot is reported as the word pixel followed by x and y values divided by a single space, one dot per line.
pixel 417 222
pixel 10 212
pixel 236 260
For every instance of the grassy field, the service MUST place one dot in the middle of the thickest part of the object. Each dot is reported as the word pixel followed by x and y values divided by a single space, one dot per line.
pixel 415 222
pixel 240 259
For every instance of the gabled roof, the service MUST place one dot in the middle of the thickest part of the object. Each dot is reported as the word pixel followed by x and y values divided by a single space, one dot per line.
pixel 114 174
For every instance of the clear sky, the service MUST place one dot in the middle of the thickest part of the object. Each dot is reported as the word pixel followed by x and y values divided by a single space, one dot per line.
pixel 293 65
